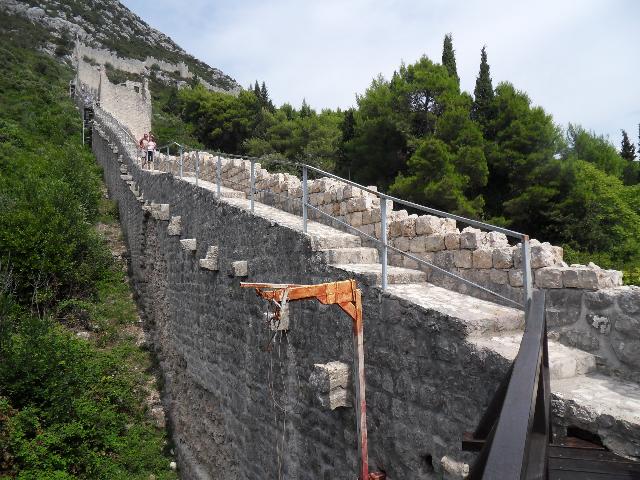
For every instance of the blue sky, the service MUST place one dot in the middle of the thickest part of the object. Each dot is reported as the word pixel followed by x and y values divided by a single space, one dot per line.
pixel 579 59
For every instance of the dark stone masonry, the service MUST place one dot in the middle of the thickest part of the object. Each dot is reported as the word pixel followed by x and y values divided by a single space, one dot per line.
pixel 239 400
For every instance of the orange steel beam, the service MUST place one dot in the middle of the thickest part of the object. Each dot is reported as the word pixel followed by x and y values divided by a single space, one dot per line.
pixel 349 298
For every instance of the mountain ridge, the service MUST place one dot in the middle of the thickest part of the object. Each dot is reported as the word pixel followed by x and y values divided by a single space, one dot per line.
pixel 107 25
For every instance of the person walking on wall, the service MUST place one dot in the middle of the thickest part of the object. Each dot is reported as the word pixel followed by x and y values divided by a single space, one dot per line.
pixel 151 149
pixel 142 149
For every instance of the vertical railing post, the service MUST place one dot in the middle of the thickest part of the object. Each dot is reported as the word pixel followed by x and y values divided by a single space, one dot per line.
pixel 383 239
pixel 305 198
pixel 527 280
pixel 181 160
pixel 218 175
pixel 253 182
pixel 197 165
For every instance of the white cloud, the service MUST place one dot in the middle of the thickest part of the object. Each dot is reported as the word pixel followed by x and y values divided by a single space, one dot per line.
pixel 576 58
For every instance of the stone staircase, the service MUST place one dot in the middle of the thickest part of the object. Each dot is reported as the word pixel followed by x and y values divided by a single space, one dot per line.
pixel 488 326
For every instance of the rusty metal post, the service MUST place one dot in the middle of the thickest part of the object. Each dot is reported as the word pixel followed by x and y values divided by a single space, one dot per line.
pixel 359 383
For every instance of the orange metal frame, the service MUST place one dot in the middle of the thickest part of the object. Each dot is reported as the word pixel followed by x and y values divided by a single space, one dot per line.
pixel 348 297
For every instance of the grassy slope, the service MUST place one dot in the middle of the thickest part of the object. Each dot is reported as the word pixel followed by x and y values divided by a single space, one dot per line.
pixel 69 407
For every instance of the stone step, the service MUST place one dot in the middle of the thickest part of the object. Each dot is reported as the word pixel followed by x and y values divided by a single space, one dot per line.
pixel 350 255
pixel 372 273
pixel 564 362
pixel 476 317
pixel 606 405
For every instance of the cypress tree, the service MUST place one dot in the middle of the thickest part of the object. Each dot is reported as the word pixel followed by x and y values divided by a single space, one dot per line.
pixel 483 93
pixel 256 90
pixel 628 150
pixel 449 57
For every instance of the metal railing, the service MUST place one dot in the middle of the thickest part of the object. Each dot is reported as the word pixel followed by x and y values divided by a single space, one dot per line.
pixel 383 244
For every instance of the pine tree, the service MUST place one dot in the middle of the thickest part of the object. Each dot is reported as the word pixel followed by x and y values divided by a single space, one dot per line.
pixel 483 93
pixel 305 109
pixel 628 150
pixel 449 57
pixel 256 90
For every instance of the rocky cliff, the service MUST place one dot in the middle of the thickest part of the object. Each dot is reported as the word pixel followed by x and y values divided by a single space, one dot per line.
pixel 104 25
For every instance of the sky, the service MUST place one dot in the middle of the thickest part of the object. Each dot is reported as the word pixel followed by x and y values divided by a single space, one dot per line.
pixel 578 59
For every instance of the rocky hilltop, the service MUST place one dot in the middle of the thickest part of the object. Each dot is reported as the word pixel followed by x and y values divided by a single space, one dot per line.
pixel 103 25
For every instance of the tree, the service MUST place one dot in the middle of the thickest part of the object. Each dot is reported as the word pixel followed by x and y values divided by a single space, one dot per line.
pixel 628 149
pixel 264 97
pixel 449 57
pixel 595 149
pixel 483 93
pixel 305 109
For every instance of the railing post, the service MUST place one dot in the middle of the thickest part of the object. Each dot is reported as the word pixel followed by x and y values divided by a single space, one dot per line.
pixel 218 175
pixel 253 182
pixel 383 239
pixel 181 160
pixel 197 165
pixel 527 281
pixel 305 198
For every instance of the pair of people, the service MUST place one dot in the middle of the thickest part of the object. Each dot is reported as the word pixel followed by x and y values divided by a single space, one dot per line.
pixel 148 146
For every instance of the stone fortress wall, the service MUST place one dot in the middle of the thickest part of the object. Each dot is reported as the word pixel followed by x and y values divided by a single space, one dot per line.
pixel 241 407
pixel 130 102
pixel 587 307
pixel 139 67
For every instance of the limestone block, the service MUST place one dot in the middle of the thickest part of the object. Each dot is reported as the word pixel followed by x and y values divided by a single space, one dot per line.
pixel 548 277
pixel 395 229
pixel 417 244
pixel 584 340
pixel 188 244
pixel 448 225
pixel 444 259
pixel 629 299
pixel 369 229
pixel 503 257
pixel 496 240
pixel 350 192
pixel 331 382
pixel 600 299
pixel 355 219
pixel 434 243
pixel 124 169
pixel 427 224
pixel 126 178
pixel 501 277
pixel 563 306
pixel 409 226
pixel 398 215
pixel 545 255
pixel 175 226
pixel 239 269
pixel 401 243
pixel 452 240
pixel 471 238
pixel 463 258
pixel 626 349
pixel 358 204
pixel 571 277
pixel 454 470
pixel 160 211
pixel 482 258
pixel 210 261
pixel 628 325
pixel 515 278
pixel 601 323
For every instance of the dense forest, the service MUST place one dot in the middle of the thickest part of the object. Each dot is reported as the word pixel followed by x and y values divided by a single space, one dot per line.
pixel 70 406
pixel 492 155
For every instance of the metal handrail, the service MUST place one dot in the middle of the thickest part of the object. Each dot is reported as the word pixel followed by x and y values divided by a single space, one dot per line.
pixel 383 197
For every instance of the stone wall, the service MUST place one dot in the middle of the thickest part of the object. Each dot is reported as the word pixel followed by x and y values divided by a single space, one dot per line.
pixel 486 258
pixel 243 407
